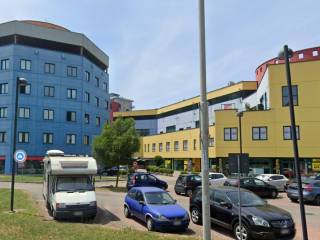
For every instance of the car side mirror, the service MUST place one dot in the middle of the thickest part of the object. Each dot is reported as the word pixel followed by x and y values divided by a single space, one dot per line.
pixel 226 205
pixel 142 203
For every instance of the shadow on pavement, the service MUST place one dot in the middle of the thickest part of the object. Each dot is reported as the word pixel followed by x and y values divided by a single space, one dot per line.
pixel 104 217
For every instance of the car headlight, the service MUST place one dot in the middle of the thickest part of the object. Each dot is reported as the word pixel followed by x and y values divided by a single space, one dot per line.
pixel 61 205
pixel 93 204
pixel 186 216
pixel 260 221
pixel 162 218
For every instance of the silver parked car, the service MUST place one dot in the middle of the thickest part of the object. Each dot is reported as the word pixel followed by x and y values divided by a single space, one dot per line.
pixel 216 179
pixel 277 180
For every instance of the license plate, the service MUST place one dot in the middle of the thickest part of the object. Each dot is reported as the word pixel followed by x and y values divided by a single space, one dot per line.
pixel 285 231
pixel 77 213
pixel 177 223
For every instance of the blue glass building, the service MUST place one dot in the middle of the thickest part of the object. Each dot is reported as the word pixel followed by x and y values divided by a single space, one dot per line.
pixel 66 100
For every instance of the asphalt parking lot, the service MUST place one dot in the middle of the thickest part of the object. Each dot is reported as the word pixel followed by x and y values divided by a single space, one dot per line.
pixel 111 210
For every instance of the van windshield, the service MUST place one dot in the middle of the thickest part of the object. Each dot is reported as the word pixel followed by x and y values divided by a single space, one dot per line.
pixel 74 184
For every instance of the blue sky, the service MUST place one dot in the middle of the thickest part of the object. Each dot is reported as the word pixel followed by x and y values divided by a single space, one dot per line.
pixel 153 44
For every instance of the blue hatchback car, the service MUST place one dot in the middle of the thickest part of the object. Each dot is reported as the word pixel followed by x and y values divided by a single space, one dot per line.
pixel 156 208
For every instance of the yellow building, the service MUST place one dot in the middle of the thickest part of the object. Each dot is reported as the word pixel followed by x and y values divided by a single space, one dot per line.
pixel 173 131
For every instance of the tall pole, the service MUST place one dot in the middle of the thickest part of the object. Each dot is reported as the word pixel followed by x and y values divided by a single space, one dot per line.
pixel 295 145
pixel 204 127
pixel 13 163
pixel 240 114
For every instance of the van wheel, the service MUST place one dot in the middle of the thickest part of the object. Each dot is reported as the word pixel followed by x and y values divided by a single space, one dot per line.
pixel 150 225
pixel 244 234
pixel 126 212
pixel 317 200
pixel 196 216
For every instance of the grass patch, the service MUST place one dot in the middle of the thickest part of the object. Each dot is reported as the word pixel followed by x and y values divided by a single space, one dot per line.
pixel 113 189
pixel 22 178
pixel 26 224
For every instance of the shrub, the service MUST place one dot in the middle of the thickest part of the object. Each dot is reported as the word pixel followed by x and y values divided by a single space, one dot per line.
pixel 159 161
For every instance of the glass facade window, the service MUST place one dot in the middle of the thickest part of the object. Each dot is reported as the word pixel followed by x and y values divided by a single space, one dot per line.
pixel 86 140
pixel 167 146
pixel 71 116
pixel 25 89
pixel 48 91
pixel 185 145
pixel 171 128
pixel 143 132
pixel 4 88
pixel 194 144
pixel 231 134
pixel 71 139
pixel 86 118
pixel 3 112
pixel 25 64
pixel 49 68
pixel 176 146
pixel 71 71
pixel 87 97
pixel 48 114
pixel 287 134
pixel 97 82
pixel 3 137
pixel 4 64
pixel 153 147
pixel 47 138
pixel 97 102
pixel 105 86
pixel 71 93
pixel 107 105
pixel 285 95
pixel 24 112
pixel 98 121
pixel 211 142
pixel 87 76
pixel 259 133
pixel 23 137
pixel 160 147
pixel 197 124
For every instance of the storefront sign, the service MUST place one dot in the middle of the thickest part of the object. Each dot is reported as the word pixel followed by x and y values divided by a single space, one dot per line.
pixel 316 164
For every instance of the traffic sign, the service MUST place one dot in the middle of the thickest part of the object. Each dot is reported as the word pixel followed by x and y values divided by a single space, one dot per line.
pixel 20 156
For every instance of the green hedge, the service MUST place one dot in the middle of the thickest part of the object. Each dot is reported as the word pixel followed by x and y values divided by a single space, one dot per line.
pixel 185 172
pixel 155 169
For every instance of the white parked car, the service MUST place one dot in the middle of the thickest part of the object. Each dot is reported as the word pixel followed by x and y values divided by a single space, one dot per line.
pixel 216 179
pixel 277 180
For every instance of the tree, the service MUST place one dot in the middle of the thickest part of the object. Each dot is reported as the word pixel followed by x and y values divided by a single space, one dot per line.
pixel 116 144
pixel 158 160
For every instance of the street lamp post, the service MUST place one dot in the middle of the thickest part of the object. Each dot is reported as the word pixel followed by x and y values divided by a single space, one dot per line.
pixel 286 54
pixel 240 115
pixel 19 82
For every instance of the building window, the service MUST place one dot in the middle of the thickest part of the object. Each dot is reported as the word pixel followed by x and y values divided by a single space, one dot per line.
pixel 153 147
pixel 107 105
pixel 86 118
pixel 171 128
pixel 97 82
pixel 23 137
pixel 3 112
pixel 287 135
pixel 24 112
pixel 87 75
pixel 25 64
pixel 143 132
pixel 211 142
pixel 97 102
pixel 285 95
pixel 160 147
pixel 167 146
pixel 105 86
pixel 4 88
pixel 194 144
pixel 98 121
pixel 71 139
pixel 197 124
pixel 259 133
pixel 3 137
pixel 47 138
pixel 25 89
pixel 85 140
pixel 71 71
pixel 176 146
pixel 87 97
pixel 4 64
pixel 185 145
pixel 148 148
pixel 231 134
pixel 71 116
pixel 145 148
pixel 48 91
pixel 48 114
pixel 49 68
pixel 71 93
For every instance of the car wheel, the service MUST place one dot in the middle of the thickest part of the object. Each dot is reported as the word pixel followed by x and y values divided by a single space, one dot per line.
pixel 150 225
pixel 196 215
pixel 274 194
pixel 244 234
pixel 317 200
pixel 294 200
pixel 176 192
pixel 126 212
pixel 189 193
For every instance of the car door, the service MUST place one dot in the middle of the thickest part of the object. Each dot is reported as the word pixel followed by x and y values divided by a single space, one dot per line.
pixel 261 187
pixel 222 214
pixel 142 180
pixel 130 199
pixel 153 181
pixel 137 206
pixel 248 183
pixel 178 185
pixel 277 181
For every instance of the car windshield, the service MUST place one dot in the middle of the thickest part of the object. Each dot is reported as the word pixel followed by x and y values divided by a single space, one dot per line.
pixel 74 184
pixel 159 198
pixel 197 178
pixel 248 199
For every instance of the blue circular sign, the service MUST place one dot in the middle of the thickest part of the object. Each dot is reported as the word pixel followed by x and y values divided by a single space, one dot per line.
pixel 20 156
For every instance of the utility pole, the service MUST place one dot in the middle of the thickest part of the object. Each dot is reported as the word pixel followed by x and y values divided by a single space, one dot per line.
pixel 204 127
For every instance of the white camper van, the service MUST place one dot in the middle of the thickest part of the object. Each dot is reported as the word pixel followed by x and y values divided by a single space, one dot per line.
pixel 68 187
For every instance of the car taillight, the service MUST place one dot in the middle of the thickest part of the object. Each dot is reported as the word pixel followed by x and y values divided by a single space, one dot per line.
pixel 308 188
